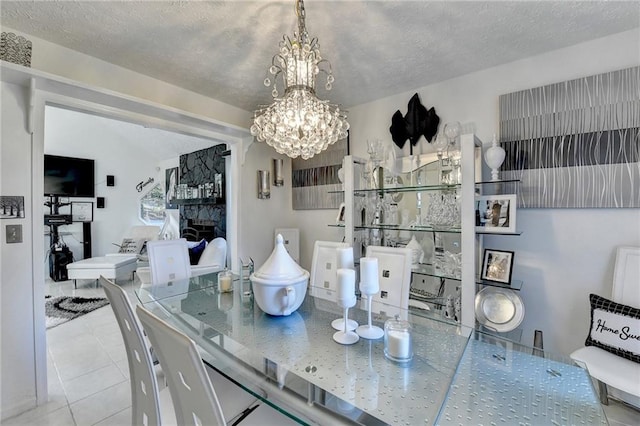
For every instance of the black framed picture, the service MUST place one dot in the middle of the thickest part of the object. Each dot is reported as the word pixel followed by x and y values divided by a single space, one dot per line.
pixel 11 207
pixel 496 213
pixel 497 266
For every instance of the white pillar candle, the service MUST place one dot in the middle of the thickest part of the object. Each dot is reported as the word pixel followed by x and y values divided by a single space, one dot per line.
pixel 346 286
pixel 399 344
pixel 345 258
pixel 369 283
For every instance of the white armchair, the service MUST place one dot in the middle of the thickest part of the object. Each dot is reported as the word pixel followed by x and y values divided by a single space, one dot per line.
pixel 604 366
pixel 213 259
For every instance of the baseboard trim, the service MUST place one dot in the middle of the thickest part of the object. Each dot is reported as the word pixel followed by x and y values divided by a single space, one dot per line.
pixel 7 413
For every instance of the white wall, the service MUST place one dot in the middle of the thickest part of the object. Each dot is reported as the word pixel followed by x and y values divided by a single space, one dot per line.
pixel 17 361
pixel 69 133
pixel 260 218
pixel 563 254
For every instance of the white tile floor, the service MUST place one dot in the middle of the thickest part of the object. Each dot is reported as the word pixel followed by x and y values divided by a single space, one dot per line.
pixel 89 374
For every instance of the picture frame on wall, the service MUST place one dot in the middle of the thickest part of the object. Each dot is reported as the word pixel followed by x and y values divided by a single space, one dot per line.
pixel 11 207
pixel 82 211
pixel 496 213
pixel 497 266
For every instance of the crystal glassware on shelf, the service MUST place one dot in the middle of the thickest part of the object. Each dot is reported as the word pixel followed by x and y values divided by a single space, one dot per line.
pixel 376 152
pixel 448 264
pixel 452 130
pixel 346 298
pixel 440 144
pixel 369 285
pixel 494 157
pixel 443 211
pixel 454 152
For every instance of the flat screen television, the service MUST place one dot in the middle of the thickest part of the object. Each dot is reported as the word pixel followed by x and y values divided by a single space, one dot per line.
pixel 68 177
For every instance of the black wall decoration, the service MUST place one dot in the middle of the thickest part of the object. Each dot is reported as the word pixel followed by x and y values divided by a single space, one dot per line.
pixel 197 168
pixel 416 123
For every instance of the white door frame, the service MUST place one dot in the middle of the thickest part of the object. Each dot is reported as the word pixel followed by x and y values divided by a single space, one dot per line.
pixel 88 100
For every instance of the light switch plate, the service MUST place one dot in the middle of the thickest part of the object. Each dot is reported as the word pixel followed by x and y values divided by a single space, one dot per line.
pixel 14 234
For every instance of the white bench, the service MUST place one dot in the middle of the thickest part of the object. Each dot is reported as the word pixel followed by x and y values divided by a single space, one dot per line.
pixel 113 267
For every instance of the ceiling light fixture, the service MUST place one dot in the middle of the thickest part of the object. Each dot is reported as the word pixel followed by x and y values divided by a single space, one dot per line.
pixel 298 123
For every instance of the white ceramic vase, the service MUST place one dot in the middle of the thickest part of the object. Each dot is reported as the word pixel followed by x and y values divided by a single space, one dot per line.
pixel 417 254
pixel 494 157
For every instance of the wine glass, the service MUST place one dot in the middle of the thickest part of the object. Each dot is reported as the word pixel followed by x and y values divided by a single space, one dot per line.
pixel 369 285
pixel 452 131
pixel 440 144
pixel 346 299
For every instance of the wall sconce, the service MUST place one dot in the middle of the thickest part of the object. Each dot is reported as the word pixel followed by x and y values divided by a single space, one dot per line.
pixel 264 185
pixel 278 177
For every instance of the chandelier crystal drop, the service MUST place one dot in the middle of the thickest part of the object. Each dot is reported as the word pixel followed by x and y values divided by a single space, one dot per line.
pixel 299 124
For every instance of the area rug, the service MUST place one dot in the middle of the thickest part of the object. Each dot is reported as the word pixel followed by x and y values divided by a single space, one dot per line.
pixel 61 309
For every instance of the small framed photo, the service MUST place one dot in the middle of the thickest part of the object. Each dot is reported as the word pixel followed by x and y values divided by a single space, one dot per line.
pixel 496 213
pixel 497 266
pixel 11 206
pixel 340 217
pixel 82 211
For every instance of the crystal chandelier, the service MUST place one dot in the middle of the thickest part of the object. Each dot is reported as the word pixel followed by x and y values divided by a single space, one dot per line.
pixel 298 123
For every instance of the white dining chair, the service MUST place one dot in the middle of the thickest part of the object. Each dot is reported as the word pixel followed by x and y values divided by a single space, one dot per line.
pixel 323 277
pixel 195 399
pixel 168 260
pixel 148 406
pixel 213 258
pixel 607 368
pixel 151 399
pixel 394 274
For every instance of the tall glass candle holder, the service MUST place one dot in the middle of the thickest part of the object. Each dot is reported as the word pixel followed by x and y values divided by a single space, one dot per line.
pixel 346 299
pixel 345 261
pixel 369 285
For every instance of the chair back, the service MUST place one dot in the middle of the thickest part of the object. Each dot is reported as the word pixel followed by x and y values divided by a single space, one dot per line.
pixel 144 232
pixel 626 277
pixel 323 277
pixel 168 261
pixel 171 227
pixel 215 254
pixel 144 386
pixel 394 274
pixel 194 399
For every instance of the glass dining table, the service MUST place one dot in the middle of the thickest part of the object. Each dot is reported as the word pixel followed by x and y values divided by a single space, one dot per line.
pixel 457 375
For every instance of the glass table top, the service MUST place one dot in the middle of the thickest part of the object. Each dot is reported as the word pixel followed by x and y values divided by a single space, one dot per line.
pixel 456 376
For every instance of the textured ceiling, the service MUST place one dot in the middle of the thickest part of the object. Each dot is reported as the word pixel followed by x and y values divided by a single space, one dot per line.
pixel 222 49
